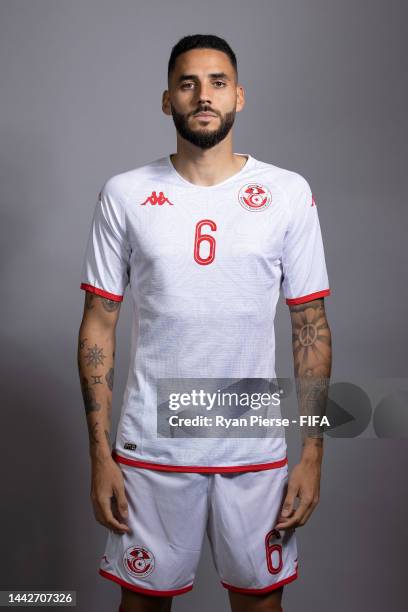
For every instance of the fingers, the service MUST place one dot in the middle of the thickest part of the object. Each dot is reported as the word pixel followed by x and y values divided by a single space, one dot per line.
pixel 121 501
pixel 303 484
pixel 288 504
pixel 293 521
pixel 108 497
pixel 301 515
pixel 104 516
pixel 110 521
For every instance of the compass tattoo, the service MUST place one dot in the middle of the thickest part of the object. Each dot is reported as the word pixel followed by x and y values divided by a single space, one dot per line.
pixel 95 356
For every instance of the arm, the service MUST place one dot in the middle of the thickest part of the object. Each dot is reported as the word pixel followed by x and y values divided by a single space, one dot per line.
pixel 96 355
pixel 311 340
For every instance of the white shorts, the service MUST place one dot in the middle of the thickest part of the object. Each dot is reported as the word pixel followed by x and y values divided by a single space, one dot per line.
pixel 169 513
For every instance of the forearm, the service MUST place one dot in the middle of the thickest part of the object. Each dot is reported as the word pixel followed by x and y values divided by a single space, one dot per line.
pixel 96 357
pixel 312 395
pixel 312 357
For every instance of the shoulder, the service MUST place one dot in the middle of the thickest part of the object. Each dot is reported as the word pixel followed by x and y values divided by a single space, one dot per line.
pixel 123 187
pixel 122 183
pixel 292 183
pixel 296 196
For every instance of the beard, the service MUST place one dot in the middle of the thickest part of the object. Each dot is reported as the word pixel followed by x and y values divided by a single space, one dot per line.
pixel 203 138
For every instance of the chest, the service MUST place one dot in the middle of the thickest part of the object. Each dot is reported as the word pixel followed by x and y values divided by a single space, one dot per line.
pixel 206 231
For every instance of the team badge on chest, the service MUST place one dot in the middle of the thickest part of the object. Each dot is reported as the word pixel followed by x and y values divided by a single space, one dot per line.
pixel 254 197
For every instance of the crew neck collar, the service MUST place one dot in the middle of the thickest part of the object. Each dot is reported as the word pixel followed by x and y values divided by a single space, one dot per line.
pixel 249 163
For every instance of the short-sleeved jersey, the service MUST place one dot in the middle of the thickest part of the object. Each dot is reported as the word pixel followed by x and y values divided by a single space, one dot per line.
pixel 204 265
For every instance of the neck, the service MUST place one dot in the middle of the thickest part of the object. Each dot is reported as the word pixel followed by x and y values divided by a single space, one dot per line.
pixel 206 167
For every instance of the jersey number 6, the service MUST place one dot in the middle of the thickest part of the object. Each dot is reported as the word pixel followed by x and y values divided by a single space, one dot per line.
pixel 199 238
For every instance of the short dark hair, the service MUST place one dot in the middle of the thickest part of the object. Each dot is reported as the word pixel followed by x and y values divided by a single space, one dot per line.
pixel 201 41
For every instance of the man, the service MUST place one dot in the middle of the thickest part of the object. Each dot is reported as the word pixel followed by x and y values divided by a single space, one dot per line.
pixel 205 238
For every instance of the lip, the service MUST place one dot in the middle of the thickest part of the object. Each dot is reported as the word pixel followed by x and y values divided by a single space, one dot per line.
pixel 205 115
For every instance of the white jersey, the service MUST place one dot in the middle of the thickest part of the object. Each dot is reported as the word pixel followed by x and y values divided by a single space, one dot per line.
pixel 204 265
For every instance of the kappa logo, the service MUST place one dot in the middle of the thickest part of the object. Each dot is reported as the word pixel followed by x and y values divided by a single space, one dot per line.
pixel 138 561
pixel 157 199
pixel 254 197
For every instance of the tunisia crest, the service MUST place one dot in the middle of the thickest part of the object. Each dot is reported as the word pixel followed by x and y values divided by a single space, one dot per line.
pixel 254 197
pixel 138 561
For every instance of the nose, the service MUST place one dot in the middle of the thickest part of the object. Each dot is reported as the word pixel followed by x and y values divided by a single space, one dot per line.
pixel 203 94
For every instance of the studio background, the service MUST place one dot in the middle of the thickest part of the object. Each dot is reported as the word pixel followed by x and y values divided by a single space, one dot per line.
pixel 326 91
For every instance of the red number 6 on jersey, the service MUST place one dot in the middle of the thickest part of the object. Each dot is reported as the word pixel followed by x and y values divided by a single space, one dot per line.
pixel 199 238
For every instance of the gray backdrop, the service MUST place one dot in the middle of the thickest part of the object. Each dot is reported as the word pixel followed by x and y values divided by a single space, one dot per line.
pixel 326 86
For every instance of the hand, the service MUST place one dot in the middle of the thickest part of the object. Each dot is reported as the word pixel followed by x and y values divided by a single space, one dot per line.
pixel 304 483
pixel 108 496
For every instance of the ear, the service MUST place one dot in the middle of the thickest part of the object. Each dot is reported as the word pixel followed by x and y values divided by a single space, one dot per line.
pixel 240 98
pixel 166 102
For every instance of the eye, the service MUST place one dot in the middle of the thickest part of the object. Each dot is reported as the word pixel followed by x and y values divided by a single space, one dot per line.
pixel 186 85
pixel 221 82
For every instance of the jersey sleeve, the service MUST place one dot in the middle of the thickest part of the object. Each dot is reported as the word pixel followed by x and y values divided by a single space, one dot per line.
pixel 105 269
pixel 303 261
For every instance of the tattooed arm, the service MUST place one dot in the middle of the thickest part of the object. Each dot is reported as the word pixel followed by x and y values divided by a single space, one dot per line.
pixel 96 354
pixel 96 358
pixel 312 355
pixel 311 340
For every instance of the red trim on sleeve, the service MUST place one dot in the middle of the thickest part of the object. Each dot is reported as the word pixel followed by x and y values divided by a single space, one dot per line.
pixel 272 587
pixel 102 292
pixel 256 467
pixel 307 298
pixel 138 589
